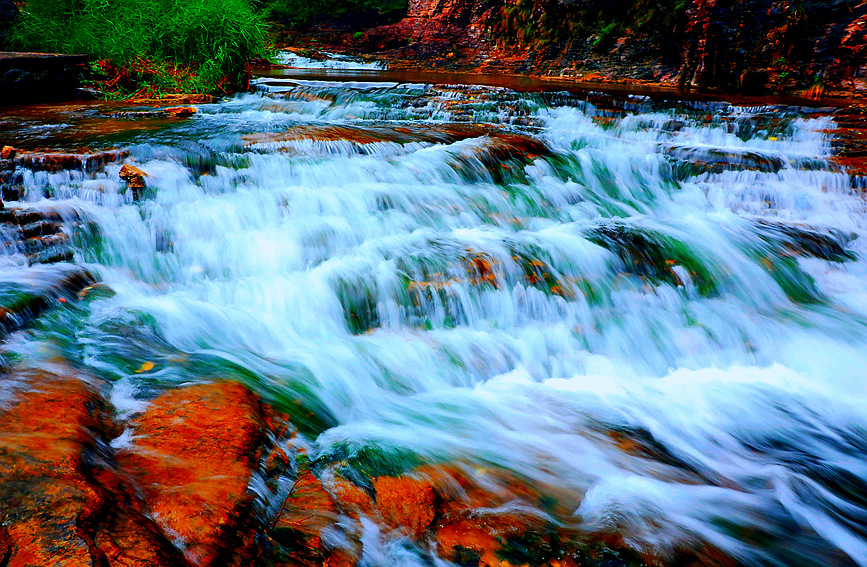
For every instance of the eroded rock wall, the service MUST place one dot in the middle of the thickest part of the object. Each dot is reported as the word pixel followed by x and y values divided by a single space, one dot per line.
pixel 752 46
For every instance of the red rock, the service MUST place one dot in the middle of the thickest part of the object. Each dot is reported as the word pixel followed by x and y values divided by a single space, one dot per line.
pixel 349 497
pixel 307 510
pixel 192 461
pixel 8 152
pixel 406 502
pixel 56 509
pixel 133 176
pixel 181 111
pixel 44 494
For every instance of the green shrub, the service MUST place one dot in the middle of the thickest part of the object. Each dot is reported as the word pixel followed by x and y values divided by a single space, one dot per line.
pixel 203 44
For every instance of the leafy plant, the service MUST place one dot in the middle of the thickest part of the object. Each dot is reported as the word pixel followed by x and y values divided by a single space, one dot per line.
pixel 165 45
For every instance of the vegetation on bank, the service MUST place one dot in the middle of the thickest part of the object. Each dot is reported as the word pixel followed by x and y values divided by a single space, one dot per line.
pixel 149 47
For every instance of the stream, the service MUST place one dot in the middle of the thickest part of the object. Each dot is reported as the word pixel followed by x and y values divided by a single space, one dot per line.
pixel 652 311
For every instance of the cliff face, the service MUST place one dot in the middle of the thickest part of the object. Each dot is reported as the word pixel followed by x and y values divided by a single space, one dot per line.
pixel 749 45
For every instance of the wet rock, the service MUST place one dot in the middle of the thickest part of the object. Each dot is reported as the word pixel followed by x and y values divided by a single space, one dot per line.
pixel 192 460
pixel 440 134
pixel 23 299
pixel 8 152
pixel 714 160
pixel 307 510
pixel 802 240
pixel 23 215
pixel 181 111
pixel 55 161
pixel 351 499
pixel 134 178
pixel 406 502
pixel 37 233
pixel 44 493
pixel 60 502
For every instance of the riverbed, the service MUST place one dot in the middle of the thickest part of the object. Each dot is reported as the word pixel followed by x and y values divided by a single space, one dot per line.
pixel 651 311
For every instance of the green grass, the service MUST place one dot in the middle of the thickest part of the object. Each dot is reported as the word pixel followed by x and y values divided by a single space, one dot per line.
pixel 159 45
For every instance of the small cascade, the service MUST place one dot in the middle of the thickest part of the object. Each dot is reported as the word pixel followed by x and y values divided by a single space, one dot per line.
pixel 652 314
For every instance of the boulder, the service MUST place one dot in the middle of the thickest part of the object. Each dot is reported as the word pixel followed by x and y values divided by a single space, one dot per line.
pixel 44 493
pixel 134 178
pixel 53 510
pixel 192 460
pixel 406 502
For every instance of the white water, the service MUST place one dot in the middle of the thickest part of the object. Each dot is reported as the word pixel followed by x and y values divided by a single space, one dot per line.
pixel 757 396
pixel 331 61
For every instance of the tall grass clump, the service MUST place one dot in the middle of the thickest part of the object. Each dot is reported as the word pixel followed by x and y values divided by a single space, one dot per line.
pixel 156 45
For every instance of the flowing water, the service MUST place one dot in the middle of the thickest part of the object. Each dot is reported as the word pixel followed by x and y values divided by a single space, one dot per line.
pixel 513 281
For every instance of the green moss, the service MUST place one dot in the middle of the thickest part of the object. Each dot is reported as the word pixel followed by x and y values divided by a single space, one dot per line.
pixel 360 463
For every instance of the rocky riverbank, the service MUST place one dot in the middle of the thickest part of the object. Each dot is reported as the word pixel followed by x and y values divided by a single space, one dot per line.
pixel 209 475
pixel 753 47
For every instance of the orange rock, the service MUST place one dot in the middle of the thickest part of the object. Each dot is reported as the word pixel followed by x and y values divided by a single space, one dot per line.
pixel 133 176
pixel 8 152
pixel 349 497
pixel 44 494
pixel 406 502
pixel 340 559
pixel 181 111
pixel 126 538
pixel 192 462
pixel 56 510
pixel 309 508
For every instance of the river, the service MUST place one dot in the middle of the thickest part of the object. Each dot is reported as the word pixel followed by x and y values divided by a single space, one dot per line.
pixel 654 312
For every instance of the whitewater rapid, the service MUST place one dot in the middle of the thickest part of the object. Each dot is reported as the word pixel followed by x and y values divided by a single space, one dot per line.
pixel 645 275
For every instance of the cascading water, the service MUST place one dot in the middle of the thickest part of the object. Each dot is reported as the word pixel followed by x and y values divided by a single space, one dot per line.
pixel 516 281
